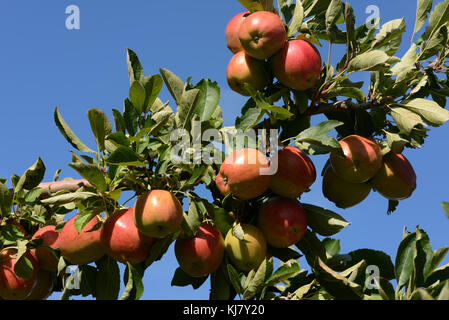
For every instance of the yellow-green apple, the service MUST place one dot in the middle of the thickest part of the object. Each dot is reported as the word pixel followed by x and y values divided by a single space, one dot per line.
pixel 47 257
pixel 232 32
pixel 241 172
pixel 202 254
pixel 296 172
pixel 122 240
pixel 242 69
pixel 44 286
pixel 13 287
pixel 396 179
pixel 344 194
pixel 249 253
pixel 82 248
pixel 158 213
pixel 262 34
pixel 283 221
pixel 297 65
pixel 361 161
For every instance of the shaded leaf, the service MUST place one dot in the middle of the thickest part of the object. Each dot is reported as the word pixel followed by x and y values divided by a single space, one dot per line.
pixel 68 133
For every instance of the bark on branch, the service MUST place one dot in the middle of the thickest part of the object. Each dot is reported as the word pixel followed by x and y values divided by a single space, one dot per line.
pixel 345 105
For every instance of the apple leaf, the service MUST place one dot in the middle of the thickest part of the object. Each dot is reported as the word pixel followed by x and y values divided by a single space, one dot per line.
pixel 298 17
pixel 100 126
pixel 445 206
pixel 368 61
pixel 423 257
pixel 186 106
pixel 404 259
pixel 405 119
pixel 333 12
pixel 5 200
pixel 332 246
pixel 68 134
pixel 133 283
pixel 317 136
pixel 323 221
pixel 182 279
pixel 286 270
pixel 422 10
pixel 219 286
pixel 158 249
pixel 209 99
pixel 68 198
pixel 258 281
pixel 91 173
pixel 124 156
pixel 130 117
pixel 235 279
pixel 252 5
pixel 284 254
pixel 389 31
pixel 135 70
pixel 107 285
pixel 438 18
pixel 153 86
pixel 32 176
pixel 312 247
pixel 174 84
pixel 191 221
pixel 429 110
pixel 137 96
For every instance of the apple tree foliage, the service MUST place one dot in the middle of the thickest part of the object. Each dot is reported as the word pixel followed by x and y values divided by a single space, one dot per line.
pixel 404 97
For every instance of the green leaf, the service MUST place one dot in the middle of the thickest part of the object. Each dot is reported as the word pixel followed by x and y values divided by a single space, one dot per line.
pixel 5 200
pixel 332 246
pixel 124 156
pixel 186 107
pixel 249 119
pixel 438 256
pixel 119 121
pixel 284 254
pixel 135 70
pixel 32 195
pixel 279 112
pixel 422 10
pixel 158 249
pixel 287 270
pixel 91 173
pixel 260 277
pixel 438 17
pixel 369 61
pixel 389 31
pixel 68 133
pixel 445 206
pixel 68 198
pixel 333 12
pixel 429 110
pixel 312 248
pixel 134 285
pixel 108 284
pixel 323 221
pixel 396 142
pixel 235 279
pixel 219 286
pixel 252 5
pixel 32 176
pixel 406 67
pixel 192 220
pixel 23 267
pixel 88 275
pixel 423 257
pixel 444 293
pixel 174 85
pixel 317 136
pixel 405 259
pixel 137 96
pixel 153 86
pixel 209 99
pixel 376 258
pixel 130 116
pixel 182 279
pixel 82 219
pixel 237 231
pixel 296 23
pixel 100 126
pixel 350 92
pixel 405 119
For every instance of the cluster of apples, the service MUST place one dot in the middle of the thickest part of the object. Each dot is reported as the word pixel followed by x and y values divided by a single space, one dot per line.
pixel 349 179
pixel 261 49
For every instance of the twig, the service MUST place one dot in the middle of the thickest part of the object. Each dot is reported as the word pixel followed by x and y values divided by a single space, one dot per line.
pixel 348 105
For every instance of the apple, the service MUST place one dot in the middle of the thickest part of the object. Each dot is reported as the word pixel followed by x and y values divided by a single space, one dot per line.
pixel 241 173
pixel 344 194
pixel 158 213
pixel 82 248
pixel 362 159
pixel 202 254
pixel 283 221
pixel 45 256
pixel 121 239
pixel 262 34
pixel 249 253
pixel 232 32
pixel 244 69
pixel 396 179
pixel 297 65
pixel 13 287
pixel 44 286
pixel 296 172
pixel 222 186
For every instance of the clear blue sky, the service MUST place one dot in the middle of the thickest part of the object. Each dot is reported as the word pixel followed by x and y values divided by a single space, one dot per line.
pixel 43 65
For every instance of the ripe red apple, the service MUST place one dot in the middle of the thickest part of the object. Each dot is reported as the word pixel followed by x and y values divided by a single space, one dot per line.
pixel 362 159
pixel 262 34
pixel 202 254
pixel 222 186
pixel 249 253
pixel 158 213
pixel 46 257
pixel 232 32
pixel 283 221
pixel 122 240
pixel 12 287
pixel 396 179
pixel 296 172
pixel 244 69
pixel 44 286
pixel 241 173
pixel 297 65
pixel 344 194
pixel 82 248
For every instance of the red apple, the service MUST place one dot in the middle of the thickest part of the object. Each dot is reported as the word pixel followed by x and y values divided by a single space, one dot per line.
pixel 222 186
pixel 158 213
pixel 44 286
pixel 244 69
pixel 344 194
pixel 262 34
pixel 241 173
pixel 396 179
pixel 296 172
pixel 202 254
pixel 297 65
pixel 12 287
pixel 232 32
pixel 283 221
pixel 82 248
pixel 362 159
pixel 121 239
pixel 46 257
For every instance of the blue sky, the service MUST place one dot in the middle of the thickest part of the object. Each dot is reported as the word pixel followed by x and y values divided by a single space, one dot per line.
pixel 44 65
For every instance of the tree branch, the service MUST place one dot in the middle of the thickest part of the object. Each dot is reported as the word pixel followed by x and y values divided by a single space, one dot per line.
pixel 52 187
pixel 345 105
